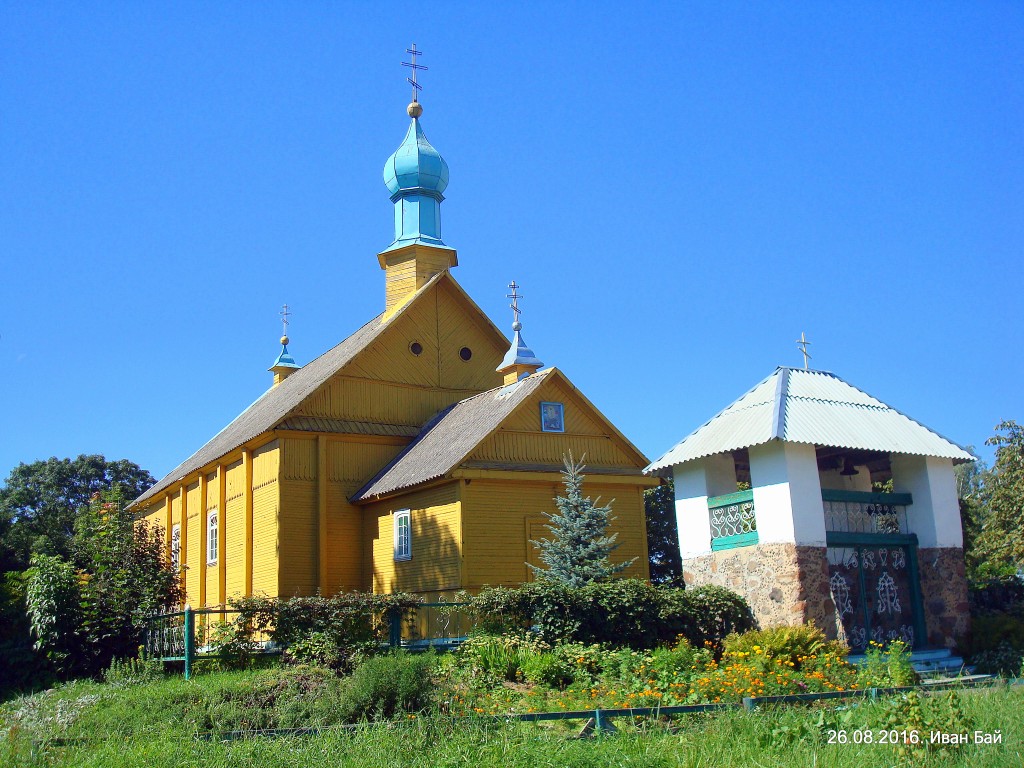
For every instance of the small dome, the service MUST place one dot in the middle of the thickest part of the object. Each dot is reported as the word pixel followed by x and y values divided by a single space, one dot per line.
pixel 416 164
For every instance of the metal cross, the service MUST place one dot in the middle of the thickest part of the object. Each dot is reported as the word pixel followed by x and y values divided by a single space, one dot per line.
pixel 515 300
pixel 802 342
pixel 416 87
pixel 284 313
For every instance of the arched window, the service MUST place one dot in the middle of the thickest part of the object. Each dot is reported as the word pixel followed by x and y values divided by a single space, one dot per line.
pixel 211 538
pixel 176 547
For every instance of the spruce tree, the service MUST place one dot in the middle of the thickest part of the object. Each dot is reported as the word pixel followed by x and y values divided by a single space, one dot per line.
pixel 577 553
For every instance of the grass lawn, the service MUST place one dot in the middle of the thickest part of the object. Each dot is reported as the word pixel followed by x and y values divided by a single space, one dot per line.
pixel 155 724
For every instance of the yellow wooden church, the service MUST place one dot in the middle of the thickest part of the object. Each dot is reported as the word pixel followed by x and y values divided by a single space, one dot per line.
pixel 420 454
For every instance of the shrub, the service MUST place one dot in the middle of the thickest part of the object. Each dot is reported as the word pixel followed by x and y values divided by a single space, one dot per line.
pixel 124 673
pixel 1005 659
pixel 388 685
pixel 787 643
pixel 548 669
pixel 887 666
pixel 624 612
pixel 338 631
pixel 706 614
pixel 500 657
pixel 318 649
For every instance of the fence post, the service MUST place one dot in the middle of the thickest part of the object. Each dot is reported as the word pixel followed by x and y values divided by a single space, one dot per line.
pixel 395 627
pixel 748 703
pixel 190 639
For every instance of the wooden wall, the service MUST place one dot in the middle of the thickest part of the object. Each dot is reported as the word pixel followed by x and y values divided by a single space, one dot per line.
pixel 499 517
pixel 231 576
pixel 436 542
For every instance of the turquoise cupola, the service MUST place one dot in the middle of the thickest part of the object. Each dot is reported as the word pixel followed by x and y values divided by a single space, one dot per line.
pixel 416 175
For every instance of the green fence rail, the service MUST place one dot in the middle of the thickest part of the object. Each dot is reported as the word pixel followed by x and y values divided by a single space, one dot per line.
pixel 188 635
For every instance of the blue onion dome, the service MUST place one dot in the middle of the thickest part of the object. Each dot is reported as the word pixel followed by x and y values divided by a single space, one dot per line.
pixel 416 164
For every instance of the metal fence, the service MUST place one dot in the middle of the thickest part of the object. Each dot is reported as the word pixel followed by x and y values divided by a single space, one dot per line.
pixel 191 634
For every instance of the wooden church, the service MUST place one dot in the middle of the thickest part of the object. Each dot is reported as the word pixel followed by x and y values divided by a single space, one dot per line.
pixel 420 454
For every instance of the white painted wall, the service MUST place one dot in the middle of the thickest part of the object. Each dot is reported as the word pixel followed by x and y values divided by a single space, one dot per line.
pixel 787 494
pixel 935 514
pixel 694 482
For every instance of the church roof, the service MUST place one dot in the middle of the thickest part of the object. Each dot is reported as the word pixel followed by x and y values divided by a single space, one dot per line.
pixel 276 405
pixel 816 407
pixel 450 437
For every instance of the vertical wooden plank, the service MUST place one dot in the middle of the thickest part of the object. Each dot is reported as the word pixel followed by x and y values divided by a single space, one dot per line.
pixel 167 525
pixel 222 532
pixel 321 515
pixel 247 461
pixel 203 549
pixel 183 542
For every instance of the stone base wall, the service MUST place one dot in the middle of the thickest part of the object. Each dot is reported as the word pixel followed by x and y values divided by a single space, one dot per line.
pixel 784 584
pixel 944 595
pixel 787 584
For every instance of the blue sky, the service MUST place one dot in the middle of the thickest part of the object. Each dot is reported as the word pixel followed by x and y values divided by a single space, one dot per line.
pixel 681 189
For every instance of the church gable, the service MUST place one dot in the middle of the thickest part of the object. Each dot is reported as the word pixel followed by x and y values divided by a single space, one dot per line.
pixel 523 440
pixel 441 338
pixel 413 367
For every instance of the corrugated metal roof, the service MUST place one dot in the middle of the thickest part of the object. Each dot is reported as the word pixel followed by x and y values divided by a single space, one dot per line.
pixel 450 437
pixel 816 407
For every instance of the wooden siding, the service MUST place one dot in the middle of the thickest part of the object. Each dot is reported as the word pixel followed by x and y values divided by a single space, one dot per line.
pixel 193 551
pixel 520 440
pixel 436 537
pixel 499 517
pixel 234 519
pixel 350 463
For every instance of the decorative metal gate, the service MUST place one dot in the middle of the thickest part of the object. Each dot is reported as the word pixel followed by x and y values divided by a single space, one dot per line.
pixel 876 592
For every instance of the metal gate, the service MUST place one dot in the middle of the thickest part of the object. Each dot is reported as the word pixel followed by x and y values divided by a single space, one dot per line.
pixel 876 591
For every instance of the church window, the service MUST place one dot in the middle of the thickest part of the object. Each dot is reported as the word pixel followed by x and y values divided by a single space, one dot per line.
pixel 552 417
pixel 176 546
pixel 211 538
pixel 466 353
pixel 416 348
pixel 403 535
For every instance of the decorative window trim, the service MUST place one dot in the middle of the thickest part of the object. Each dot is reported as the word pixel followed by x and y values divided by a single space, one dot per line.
pixel 732 520
pixel 175 546
pixel 212 537
pixel 552 417
pixel 403 535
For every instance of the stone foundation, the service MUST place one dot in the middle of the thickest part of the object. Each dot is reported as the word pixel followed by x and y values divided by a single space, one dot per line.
pixel 784 584
pixel 944 595
pixel 787 584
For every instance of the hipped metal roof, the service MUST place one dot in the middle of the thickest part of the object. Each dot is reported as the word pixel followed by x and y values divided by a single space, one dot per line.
pixel 816 407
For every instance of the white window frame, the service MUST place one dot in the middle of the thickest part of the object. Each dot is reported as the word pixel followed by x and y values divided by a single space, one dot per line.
pixel 212 540
pixel 403 544
pixel 175 546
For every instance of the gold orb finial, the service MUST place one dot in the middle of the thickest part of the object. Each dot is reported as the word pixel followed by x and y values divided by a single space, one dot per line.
pixel 414 109
pixel 284 341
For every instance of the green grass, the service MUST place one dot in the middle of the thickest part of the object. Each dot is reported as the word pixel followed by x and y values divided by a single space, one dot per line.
pixel 155 725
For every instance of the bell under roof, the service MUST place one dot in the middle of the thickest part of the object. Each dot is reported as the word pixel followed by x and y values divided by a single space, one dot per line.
pixel 816 407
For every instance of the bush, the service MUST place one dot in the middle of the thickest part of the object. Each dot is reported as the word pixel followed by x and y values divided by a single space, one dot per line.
pixel 794 644
pixel 886 666
pixel 385 686
pixel 124 673
pixel 623 612
pixel 706 614
pixel 1005 659
pixel 548 669
pixel 337 631
pixel 499 657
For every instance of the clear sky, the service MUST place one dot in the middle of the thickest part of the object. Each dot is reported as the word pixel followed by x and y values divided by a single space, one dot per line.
pixel 680 189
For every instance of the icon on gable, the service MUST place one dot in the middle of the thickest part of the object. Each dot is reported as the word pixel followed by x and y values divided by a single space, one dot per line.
pixel 552 417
